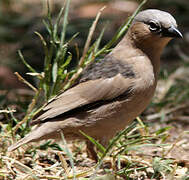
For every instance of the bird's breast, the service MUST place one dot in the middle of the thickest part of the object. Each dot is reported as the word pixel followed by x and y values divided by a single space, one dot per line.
pixel 115 116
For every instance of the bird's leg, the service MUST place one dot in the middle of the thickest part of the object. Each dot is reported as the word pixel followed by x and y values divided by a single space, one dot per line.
pixel 91 151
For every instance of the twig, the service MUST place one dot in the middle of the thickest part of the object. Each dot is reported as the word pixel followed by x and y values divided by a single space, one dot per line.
pixel 30 109
pixel 165 112
pixel 73 78
pixel 174 144
pixel 20 166
pixel 7 111
pixel 20 78
pixel 183 119
pixel 92 29
pixel 63 163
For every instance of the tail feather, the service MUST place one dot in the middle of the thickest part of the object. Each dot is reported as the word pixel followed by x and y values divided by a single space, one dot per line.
pixel 21 142
pixel 38 133
pixel 48 130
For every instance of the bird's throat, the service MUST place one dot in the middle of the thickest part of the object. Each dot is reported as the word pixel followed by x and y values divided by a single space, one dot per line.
pixel 150 46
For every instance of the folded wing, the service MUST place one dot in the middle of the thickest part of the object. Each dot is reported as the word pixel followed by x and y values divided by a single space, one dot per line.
pixel 86 93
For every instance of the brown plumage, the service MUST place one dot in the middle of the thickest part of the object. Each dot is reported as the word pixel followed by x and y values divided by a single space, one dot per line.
pixel 111 92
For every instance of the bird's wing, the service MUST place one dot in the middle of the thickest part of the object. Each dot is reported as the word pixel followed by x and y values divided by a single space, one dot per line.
pixel 86 93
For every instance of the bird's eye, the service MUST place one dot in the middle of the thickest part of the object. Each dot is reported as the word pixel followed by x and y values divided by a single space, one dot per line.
pixel 154 26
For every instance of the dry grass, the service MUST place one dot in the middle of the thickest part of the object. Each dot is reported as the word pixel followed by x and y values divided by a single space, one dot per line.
pixel 157 149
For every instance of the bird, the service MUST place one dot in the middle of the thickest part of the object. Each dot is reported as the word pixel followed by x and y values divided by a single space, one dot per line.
pixel 110 93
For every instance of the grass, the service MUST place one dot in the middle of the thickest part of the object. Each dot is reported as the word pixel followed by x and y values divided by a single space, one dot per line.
pixel 138 152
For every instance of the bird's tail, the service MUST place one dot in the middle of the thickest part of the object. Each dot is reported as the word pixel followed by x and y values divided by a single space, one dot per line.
pixel 43 131
pixel 35 135
pixel 22 141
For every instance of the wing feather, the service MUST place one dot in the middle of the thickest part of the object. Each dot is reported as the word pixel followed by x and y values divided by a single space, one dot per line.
pixel 86 93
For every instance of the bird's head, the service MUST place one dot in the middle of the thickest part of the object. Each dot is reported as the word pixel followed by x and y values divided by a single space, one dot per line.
pixel 152 29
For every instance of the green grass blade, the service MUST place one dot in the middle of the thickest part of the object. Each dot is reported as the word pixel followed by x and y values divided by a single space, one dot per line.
pixel 57 24
pixel 65 22
pixel 69 154
pixel 25 63
pixel 96 143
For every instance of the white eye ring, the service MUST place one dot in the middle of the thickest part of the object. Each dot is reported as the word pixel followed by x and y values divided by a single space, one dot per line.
pixel 155 27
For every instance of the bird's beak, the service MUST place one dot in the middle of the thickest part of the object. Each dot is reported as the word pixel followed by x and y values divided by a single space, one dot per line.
pixel 172 32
